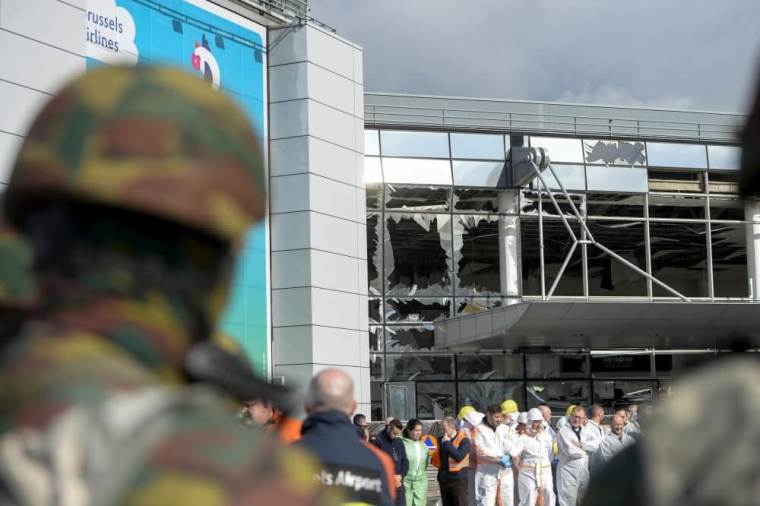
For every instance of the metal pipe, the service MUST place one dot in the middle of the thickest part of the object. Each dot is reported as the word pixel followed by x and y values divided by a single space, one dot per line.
pixel 554 201
pixel 562 270
pixel 572 205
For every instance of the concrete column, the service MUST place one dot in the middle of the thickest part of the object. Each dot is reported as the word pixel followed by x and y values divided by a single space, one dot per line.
pixel 318 216
pixel 752 215
pixel 509 246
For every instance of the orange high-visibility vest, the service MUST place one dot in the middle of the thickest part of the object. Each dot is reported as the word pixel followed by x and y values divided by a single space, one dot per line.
pixel 454 466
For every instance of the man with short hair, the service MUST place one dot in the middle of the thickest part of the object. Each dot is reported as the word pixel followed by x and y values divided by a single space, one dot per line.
pixel 360 422
pixel 628 428
pixel 614 442
pixel 389 441
pixel 596 431
pixel 575 443
pixel 452 460
pixel 257 412
pixel 364 473
pixel 494 450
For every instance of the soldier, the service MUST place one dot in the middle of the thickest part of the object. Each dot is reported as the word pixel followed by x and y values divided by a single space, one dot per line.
pixel 134 187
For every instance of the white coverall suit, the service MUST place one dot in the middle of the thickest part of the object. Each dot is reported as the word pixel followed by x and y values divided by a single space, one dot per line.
pixel 535 469
pixel 596 434
pixel 572 471
pixel 490 446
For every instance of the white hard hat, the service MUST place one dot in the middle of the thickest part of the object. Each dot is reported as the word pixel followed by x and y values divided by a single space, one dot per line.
pixel 534 415
pixel 522 418
pixel 474 418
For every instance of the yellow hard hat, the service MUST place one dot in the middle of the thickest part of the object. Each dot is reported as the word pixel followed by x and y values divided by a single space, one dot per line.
pixel 509 406
pixel 466 410
pixel 570 409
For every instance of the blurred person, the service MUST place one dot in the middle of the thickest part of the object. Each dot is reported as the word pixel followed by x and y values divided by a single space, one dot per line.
pixel 495 448
pixel 286 428
pixel 256 412
pixel 596 431
pixel 389 441
pixel 522 423
pixel 362 472
pixel 613 443
pixel 415 481
pixel 546 411
pixel 134 188
pixel 452 460
pixel 469 426
pixel 534 481
pixel 575 443
pixel 18 288
pixel 629 428
pixel 565 420
pixel 510 409
pixel 362 426
pixel 466 410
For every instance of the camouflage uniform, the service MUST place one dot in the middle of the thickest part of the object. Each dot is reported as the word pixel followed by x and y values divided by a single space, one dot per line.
pixel 143 181
pixel 17 287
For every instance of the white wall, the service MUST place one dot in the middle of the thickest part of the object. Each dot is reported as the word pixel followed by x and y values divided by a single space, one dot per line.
pixel 319 267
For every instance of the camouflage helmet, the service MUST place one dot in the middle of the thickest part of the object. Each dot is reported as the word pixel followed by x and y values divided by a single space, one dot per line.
pixel 17 286
pixel 151 139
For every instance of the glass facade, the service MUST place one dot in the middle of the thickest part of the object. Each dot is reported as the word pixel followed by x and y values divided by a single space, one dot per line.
pixel 435 205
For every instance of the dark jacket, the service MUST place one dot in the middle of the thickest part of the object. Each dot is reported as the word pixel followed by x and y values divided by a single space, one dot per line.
pixel 457 453
pixel 395 449
pixel 346 461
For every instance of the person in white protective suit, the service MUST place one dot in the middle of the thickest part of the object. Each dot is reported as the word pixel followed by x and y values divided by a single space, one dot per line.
pixel 630 428
pixel 495 449
pixel 596 432
pixel 471 426
pixel 535 477
pixel 511 412
pixel 613 443
pixel 565 420
pixel 575 443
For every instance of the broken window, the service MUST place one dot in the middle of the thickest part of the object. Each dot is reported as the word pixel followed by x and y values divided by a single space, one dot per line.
pixel 723 182
pixel 409 338
pixel 375 338
pixel 679 258
pixel 557 244
pixel 726 209
pixel 729 255
pixel 376 366
pixel 472 305
pixel 530 200
pixel 557 394
pixel 417 198
pixel 615 204
pixel 374 254
pixel 608 276
pixel 609 152
pixel 435 401
pixel 375 311
pixel 419 367
pixel 418 254
pixel 476 200
pixel 675 181
pixel 476 245
pixel 531 256
pixel 489 367
pixel 482 394
pixel 620 393
pixel 556 365
pixel 677 207
pixel 417 310
pixel 374 193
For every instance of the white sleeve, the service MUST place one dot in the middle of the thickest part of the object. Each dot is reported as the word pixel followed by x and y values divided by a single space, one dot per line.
pixel 593 440
pixel 510 447
pixel 482 448
pixel 566 445
pixel 606 450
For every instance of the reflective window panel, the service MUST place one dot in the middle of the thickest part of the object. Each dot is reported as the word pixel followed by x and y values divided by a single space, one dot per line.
pixel 376 340
pixel 676 364
pixel 474 173
pixel 679 258
pixel 423 144
pixel 678 182
pixel 482 394
pixel 371 143
pixel 472 305
pixel 409 337
pixel 376 367
pixel 557 244
pixel 724 182
pixel 529 203
pixel 622 179
pixel 477 146
pixel 373 173
pixel 615 394
pixel 729 252
pixel 375 310
pixel 724 157
pixel 677 207
pixel 374 194
pixel 615 204
pixel 609 152
pixel 560 150
pixel 417 198
pixel 670 154
pixel 416 310
pixel 489 367
pixel 410 367
pixel 608 276
pixel 555 365
pixel 476 200
pixel 374 254
pixel 557 394
pixel 413 171
pixel 624 365
pixel 531 260
pixel 435 400
pixel 376 396
pixel 417 254
pixel 477 260
pixel 726 209
pixel 573 177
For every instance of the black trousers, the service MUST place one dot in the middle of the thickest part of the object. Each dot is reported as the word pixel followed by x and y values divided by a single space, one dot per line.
pixel 401 496
pixel 453 493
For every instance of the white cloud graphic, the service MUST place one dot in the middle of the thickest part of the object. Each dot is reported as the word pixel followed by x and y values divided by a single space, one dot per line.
pixel 110 33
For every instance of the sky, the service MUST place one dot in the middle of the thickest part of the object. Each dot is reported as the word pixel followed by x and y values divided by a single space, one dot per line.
pixel 674 54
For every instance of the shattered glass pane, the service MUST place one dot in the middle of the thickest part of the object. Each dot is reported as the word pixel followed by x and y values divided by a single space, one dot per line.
pixel 419 367
pixel 417 198
pixel 417 310
pixel 376 366
pixel 729 252
pixel 724 182
pixel 558 394
pixel 375 310
pixel 726 209
pixel 490 367
pixel 376 398
pixel 677 207
pixel 435 401
pixel 550 365
pixel 620 393
pixel 375 338
pixel 476 200
pixel 409 338
pixel 679 258
pixel 482 394
pixel 374 194
pixel 476 249
pixel 531 257
pixel 676 181
pixel 615 204
pixel 418 254
pixel 608 276
pixel 472 305
pixel 374 254
pixel 608 152
pixel 529 203
pixel 557 244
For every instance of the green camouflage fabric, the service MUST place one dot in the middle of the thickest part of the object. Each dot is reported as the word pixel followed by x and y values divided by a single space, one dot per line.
pixel 17 285
pixel 95 405
pixel 151 139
